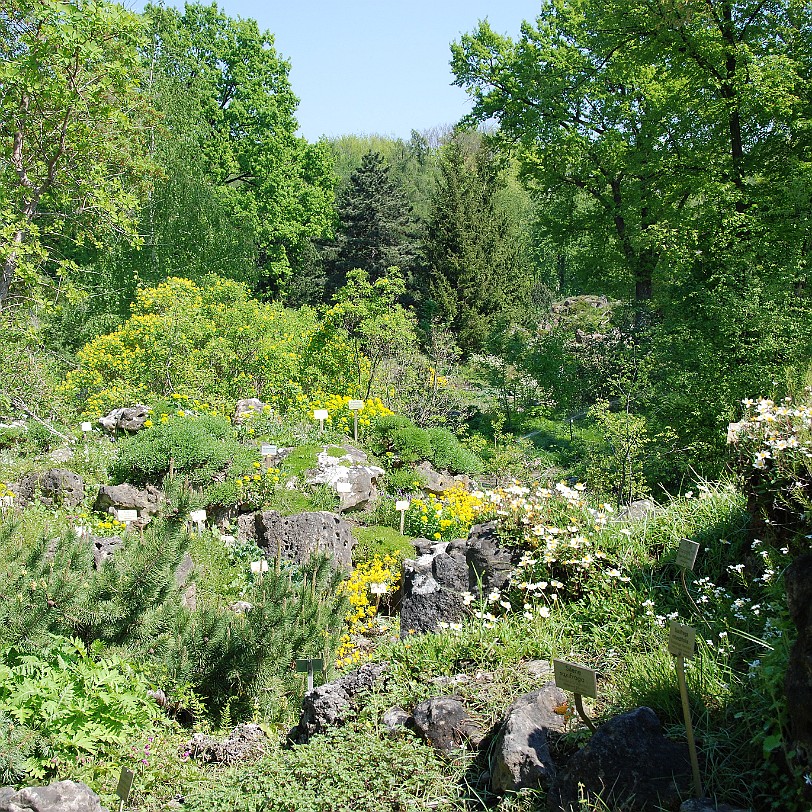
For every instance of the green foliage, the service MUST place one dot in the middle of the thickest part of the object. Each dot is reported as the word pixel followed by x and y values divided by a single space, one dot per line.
pixel 399 442
pixel 73 704
pixel 356 769
pixel 236 126
pixel 379 542
pixel 202 448
pixel 73 126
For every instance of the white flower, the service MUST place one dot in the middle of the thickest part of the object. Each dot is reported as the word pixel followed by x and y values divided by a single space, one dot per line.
pixel 544 611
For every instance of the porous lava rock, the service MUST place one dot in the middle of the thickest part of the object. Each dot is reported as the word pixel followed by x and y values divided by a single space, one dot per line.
pixel 60 796
pixel 56 486
pixel 446 725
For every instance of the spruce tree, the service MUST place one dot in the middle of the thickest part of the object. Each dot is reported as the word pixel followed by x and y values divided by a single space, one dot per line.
pixel 477 274
pixel 377 227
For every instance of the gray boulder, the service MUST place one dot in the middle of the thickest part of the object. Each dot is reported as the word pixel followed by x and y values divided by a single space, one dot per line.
pixel 432 588
pixel 246 409
pixel 520 756
pixel 61 796
pixel 434 583
pixel 347 465
pixel 489 562
pixel 103 547
pixel 629 764
pixel 446 725
pixel 244 743
pixel 396 719
pixel 334 703
pixel 128 418
pixel 56 486
pixel 127 497
pixel 798 679
pixel 296 538
pixel 438 482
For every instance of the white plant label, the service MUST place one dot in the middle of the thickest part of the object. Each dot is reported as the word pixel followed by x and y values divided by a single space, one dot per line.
pixel 575 678
pixel 378 589
pixel 198 516
pixel 344 487
pixel 355 405
pixel 320 414
pixel 127 515
pixel 86 427
pixel 267 450
pixel 402 504
pixel 258 567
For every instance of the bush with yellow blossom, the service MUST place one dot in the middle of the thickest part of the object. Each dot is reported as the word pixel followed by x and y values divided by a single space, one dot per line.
pixel 383 570
pixel 444 517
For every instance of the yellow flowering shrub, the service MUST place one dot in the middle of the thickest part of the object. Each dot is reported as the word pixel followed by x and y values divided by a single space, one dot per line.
pixel 341 418
pixel 445 517
pixel 212 342
pixel 363 604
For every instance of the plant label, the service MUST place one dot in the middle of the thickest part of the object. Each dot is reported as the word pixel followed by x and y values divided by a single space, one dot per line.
pixel 355 405
pixel 681 640
pixel 575 678
pixel 268 450
pixel 313 664
pixel 344 487
pixel 402 504
pixel 378 589
pixel 198 516
pixel 86 427
pixel 125 784
pixel 320 414
pixel 258 567
pixel 686 555
pixel 127 516
pixel 81 531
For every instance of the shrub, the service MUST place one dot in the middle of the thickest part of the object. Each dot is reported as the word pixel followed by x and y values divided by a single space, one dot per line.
pixel 76 705
pixel 201 448
pixel 450 454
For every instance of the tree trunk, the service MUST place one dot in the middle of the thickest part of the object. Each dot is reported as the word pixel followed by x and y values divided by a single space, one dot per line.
pixel 9 269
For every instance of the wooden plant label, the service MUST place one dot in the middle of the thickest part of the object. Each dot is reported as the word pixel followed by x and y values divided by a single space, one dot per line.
pixel 258 567
pixel 575 678
pixel 86 427
pixel 344 487
pixel 686 555
pixel 355 405
pixel 320 414
pixel 681 640
pixel 125 784
pixel 127 516
pixel 402 504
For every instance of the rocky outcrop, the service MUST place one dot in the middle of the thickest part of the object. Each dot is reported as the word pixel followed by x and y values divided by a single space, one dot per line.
pixel 438 482
pixel 520 755
pixel 246 409
pixel 296 538
pixel 128 418
pixel 127 497
pixel 334 703
pixel 446 725
pixel 61 796
pixel 434 584
pixel 244 743
pixel 629 764
pixel 798 680
pixel 56 486
pixel 345 465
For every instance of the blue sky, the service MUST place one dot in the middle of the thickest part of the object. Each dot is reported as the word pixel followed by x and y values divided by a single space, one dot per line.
pixel 365 67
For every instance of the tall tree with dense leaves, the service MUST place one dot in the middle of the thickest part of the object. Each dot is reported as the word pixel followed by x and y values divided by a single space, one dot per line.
pixel 72 132
pixel 273 183
pixel 376 226
pixel 477 273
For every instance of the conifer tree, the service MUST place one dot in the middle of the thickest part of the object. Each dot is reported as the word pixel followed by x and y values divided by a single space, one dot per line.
pixel 477 274
pixel 377 228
